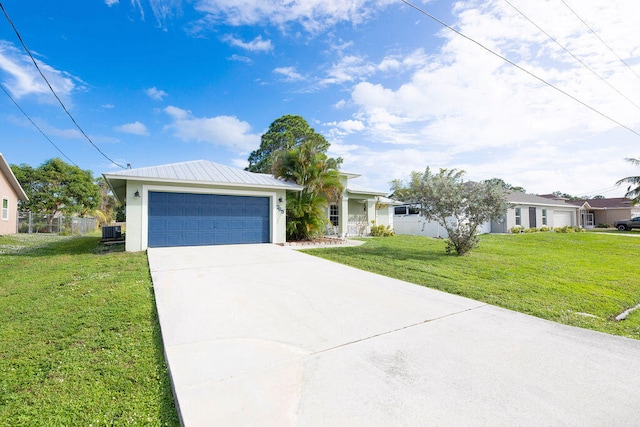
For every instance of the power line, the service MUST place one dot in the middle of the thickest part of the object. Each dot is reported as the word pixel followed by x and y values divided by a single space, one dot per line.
pixel 505 59
pixel 572 55
pixel 601 40
pixel 54 92
pixel 36 126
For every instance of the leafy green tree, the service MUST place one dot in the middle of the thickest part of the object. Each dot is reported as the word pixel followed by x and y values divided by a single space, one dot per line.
pixel 292 150
pixel 56 187
pixel 459 207
pixel 308 165
pixel 285 133
pixel 633 193
pixel 504 185
pixel 108 203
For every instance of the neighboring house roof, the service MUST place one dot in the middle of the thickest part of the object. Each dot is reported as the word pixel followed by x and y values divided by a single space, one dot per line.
pixel 387 201
pixel 517 197
pixel 357 189
pixel 196 172
pixel 11 179
pixel 611 203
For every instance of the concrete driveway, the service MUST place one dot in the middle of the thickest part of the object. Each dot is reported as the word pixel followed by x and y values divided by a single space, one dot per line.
pixel 264 335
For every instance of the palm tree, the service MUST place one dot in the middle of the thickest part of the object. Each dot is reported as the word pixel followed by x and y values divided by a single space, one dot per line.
pixel 309 166
pixel 632 193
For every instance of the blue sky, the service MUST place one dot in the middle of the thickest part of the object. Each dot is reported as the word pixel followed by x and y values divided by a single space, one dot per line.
pixel 162 81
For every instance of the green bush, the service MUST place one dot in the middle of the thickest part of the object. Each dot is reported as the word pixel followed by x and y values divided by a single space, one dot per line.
pixel 381 230
pixel 604 226
pixel 568 229
pixel 531 230
pixel 544 229
pixel 516 230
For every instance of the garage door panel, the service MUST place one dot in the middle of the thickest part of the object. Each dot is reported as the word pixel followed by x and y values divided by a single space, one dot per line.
pixel 182 219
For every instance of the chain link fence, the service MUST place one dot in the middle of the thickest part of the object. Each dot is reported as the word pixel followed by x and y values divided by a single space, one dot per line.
pixel 29 222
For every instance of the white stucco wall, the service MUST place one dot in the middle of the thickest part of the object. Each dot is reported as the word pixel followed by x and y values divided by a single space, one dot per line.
pixel 137 208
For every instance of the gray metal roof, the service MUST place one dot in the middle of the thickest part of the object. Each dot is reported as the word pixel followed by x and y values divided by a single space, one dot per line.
pixel 194 172
pixel 357 189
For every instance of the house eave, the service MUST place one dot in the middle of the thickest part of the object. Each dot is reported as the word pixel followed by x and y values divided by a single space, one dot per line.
pixel 13 181
pixel 118 184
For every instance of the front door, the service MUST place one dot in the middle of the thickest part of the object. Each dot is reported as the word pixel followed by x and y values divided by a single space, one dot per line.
pixel 532 217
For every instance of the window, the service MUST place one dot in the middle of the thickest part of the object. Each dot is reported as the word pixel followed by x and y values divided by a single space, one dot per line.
pixel 334 216
pixel 5 209
pixel 544 217
pixel 518 216
pixel 406 210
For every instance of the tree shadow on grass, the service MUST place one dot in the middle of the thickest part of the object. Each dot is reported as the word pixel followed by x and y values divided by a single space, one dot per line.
pixel 38 246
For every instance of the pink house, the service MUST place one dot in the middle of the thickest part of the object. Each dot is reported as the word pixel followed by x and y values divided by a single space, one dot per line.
pixel 10 193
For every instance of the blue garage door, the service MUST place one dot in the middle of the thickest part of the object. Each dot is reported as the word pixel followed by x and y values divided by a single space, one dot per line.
pixel 184 219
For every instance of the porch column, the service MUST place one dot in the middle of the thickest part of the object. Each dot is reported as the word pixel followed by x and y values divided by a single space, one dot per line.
pixel 371 213
pixel 344 217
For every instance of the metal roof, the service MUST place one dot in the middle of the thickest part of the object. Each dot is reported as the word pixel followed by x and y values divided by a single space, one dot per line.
pixel 357 189
pixel 11 178
pixel 195 172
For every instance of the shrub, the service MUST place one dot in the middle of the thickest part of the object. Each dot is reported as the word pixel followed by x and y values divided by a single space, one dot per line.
pixel 381 230
pixel 531 230
pixel 604 226
pixel 544 229
pixel 516 230
pixel 568 229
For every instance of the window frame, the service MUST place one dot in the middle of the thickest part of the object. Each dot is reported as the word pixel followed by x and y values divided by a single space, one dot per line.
pixel 334 215
pixel 5 210
pixel 544 216
pixel 518 216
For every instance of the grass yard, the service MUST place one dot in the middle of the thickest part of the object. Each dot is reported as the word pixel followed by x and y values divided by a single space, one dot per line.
pixel 80 342
pixel 579 279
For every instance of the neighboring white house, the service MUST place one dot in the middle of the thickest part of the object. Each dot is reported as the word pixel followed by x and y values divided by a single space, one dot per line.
pixel 531 211
pixel 10 193
pixel 525 210
pixel 358 209
pixel 200 203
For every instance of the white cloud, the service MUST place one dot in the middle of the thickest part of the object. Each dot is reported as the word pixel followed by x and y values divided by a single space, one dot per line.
pixel 240 58
pixel 225 131
pixel 163 10
pixel 312 15
pixel 135 128
pixel 289 73
pixel 22 79
pixel 155 93
pixel 255 45
pixel 462 107
pixel 110 2
pixel 108 106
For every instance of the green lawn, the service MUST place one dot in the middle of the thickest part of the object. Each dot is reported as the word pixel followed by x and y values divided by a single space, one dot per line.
pixel 80 342
pixel 567 278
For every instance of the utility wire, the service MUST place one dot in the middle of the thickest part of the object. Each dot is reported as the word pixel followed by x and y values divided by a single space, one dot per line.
pixel 36 126
pixel 572 55
pixel 54 92
pixel 444 24
pixel 600 38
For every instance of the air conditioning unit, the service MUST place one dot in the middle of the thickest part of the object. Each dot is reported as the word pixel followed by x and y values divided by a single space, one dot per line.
pixel 111 232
